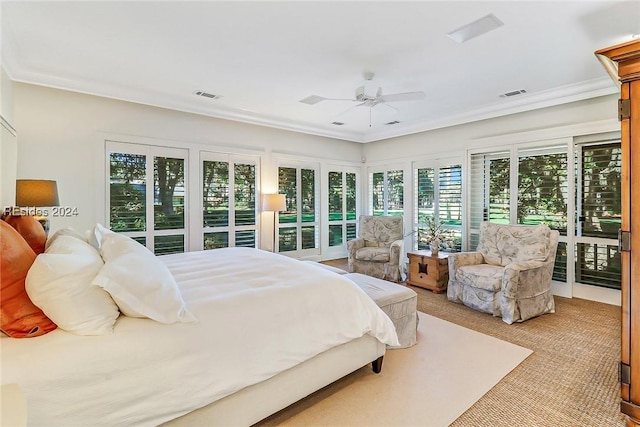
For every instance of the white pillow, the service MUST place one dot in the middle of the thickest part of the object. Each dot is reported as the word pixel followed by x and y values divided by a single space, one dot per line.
pixel 63 232
pixel 139 283
pixel 59 283
pixel 94 237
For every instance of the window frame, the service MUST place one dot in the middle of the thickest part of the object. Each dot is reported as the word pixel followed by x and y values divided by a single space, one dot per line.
pixel 571 239
pixel 341 250
pixel 150 152
pixel 231 228
pixel 299 252
pixel 385 191
pixel 436 166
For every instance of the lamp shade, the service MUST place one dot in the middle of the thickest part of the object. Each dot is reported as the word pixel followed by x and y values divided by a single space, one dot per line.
pixel 36 192
pixel 273 202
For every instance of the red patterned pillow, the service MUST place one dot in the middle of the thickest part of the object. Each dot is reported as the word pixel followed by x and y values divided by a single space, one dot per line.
pixel 19 317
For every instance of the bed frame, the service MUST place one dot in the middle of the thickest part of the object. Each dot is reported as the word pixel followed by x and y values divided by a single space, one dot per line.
pixel 254 403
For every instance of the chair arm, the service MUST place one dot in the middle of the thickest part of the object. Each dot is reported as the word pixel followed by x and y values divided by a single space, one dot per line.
pixel 395 251
pixel 460 259
pixel 518 274
pixel 353 246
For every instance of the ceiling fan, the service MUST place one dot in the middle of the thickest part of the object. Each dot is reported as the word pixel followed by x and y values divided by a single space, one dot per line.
pixel 368 95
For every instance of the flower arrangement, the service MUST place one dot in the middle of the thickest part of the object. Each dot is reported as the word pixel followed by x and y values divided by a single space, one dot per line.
pixel 435 234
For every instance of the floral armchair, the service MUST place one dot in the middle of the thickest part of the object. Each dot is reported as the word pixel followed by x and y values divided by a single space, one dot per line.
pixel 509 275
pixel 378 249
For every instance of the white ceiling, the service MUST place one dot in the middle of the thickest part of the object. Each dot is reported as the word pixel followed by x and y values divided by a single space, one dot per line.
pixel 264 57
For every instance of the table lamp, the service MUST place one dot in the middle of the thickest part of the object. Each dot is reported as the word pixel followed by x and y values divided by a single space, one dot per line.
pixel 37 193
pixel 273 203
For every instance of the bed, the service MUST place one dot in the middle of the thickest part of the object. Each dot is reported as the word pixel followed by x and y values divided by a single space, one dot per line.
pixel 259 331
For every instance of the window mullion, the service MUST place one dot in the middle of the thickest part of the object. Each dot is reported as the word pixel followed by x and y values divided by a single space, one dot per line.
pixel 149 187
pixel 232 203
pixel 513 186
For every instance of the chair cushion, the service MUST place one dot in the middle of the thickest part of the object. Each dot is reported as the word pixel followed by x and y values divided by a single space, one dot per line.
pixel 488 245
pixel 482 276
pixel 373 253
pixel 523 243
pixel 380 230
pixel 503 244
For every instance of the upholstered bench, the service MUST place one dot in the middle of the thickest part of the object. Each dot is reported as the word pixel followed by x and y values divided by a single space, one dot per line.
pixel 326 267
pixel 398 302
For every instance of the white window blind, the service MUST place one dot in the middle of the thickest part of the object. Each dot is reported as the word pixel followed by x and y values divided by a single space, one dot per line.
pixel 229 201
pixel 147 195
pixel 298 225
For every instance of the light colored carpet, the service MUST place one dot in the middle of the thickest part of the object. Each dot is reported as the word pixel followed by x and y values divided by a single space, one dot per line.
pixel 429 384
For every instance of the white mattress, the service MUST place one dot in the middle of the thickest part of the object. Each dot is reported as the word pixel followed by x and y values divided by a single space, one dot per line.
pixel 258 314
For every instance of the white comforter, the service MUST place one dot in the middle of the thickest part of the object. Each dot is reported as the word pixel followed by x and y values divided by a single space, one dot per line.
pixel 258 314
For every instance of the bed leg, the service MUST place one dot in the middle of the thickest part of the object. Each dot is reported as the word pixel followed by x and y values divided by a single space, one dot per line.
pixel 376 365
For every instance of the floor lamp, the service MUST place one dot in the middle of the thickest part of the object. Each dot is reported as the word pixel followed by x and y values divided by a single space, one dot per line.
pixel 273 203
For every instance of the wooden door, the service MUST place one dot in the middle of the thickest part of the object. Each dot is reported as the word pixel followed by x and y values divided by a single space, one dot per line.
pixel 627 58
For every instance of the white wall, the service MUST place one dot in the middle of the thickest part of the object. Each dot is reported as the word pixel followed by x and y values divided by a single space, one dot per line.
pixel 62 138
pixel 8 143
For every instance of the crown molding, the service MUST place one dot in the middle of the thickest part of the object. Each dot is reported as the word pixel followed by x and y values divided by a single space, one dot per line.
pixel 565 94
pixel 561 95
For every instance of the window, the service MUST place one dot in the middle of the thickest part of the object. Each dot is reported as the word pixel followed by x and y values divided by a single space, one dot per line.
pixel 342 201
pixel 229 209
pixel 438 192
pixel 147 195
pixel 489 189
pixel 298 225
pixel 541 195
pixel 599 192
pixel 542 188
pixel 386 193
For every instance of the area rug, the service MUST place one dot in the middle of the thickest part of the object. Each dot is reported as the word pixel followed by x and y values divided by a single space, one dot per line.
pixel 430 384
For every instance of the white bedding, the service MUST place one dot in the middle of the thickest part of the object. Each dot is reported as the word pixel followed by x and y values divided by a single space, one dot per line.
pixel 258 314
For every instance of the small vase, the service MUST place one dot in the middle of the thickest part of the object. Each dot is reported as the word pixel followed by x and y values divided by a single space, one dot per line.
pixel 435 248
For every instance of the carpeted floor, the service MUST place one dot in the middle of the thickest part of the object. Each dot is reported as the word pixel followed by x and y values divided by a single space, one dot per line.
pixel 448 370
pixel 571 379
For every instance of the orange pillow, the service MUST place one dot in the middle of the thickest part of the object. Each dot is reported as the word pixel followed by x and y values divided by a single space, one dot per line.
pixel 31 230
pixel 19 317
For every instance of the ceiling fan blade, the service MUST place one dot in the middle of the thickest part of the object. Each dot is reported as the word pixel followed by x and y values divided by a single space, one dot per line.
pixel 389 105
pixel 314 99
pixel 350 109
pixel 405 96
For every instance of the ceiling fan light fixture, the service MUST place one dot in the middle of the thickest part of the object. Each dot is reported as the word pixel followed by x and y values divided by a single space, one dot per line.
pixel 476 28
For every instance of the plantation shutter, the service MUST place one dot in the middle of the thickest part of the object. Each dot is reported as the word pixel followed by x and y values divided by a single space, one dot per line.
pixel 542 188
pixel 489 187
pixel 598 183
pixel 600 190
pixel 450 201
pixel 543 196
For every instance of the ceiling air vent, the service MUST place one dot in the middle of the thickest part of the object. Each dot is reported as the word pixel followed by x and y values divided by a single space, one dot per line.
pixel 395 122
pixel 207 95
pixel 513 93
pixel 337 123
